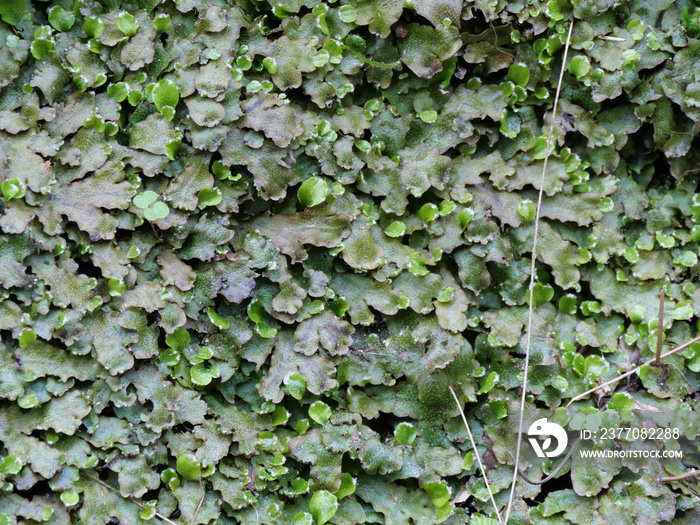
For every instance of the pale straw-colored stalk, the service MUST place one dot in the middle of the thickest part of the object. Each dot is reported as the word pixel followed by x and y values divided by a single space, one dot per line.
pixel 532 274
pixel 627 374
pixel 476 453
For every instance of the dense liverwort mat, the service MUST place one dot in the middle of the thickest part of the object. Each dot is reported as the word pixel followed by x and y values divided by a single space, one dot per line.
pixel 247 247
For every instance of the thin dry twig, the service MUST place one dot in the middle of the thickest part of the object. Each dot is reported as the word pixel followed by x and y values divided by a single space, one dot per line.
pixel 201 485
pixel 691 474
pixel 627 374
pixel 196 512
pixel 476 453
pixel 612 38
pixel 111 461
pixel 97 480
pixel 660 335
pixel 532 273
